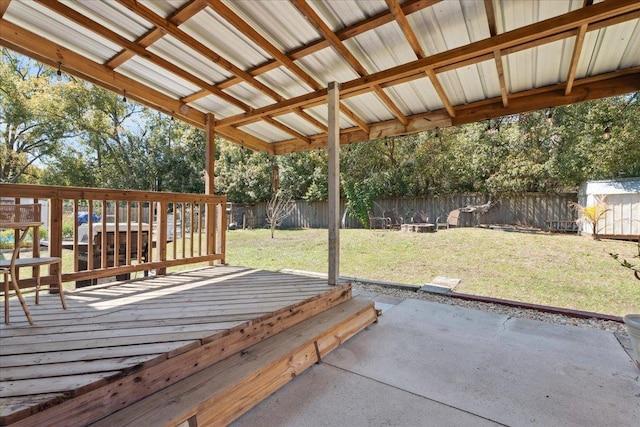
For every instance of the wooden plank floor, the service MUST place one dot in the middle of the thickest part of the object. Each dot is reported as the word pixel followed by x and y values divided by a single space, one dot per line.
pixel 116 344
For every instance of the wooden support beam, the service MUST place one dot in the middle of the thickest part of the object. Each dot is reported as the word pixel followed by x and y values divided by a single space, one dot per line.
pixel 403 23
pixel 209 185
pixel 358 121
pixel 503 83
pixel 4 5
pixel 170 26
pixel 335 42
pixel 384 17
pixel 27 43
pixel 575 58
pixel 536 32
pixel 491 17
pixel 333 153
pixel 440 91
pixel 114 37
pixel 239 23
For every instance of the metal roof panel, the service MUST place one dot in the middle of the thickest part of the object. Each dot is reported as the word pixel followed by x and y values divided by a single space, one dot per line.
pixel 249 95
pixel 156 77
pixel 326 66
pixel 608 49
pixel 382 48
pixel 217 34
pixel 415 97
pixel 177 52
pixel 288 29
pixel 284 82
pixel 39 20
pixel 298 124
pixel 112 15
pixel 369 108
pixel 221 108
pixel 265 131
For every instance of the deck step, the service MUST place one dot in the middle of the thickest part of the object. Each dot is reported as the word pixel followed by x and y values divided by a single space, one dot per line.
pixel 222 392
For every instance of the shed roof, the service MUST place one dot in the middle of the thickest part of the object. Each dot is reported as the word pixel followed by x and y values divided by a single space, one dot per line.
pixel 259 69
pixel 611 186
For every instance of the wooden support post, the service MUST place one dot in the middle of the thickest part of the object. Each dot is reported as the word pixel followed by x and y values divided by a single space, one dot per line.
pixel 333 151
pixel 209 184
pixel 163 207
pixel 55 238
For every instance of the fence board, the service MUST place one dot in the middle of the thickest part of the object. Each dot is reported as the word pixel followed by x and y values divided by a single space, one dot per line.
pixel 529 209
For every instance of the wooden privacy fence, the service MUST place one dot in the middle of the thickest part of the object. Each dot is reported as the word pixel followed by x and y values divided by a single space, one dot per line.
pixel 125 231
pixel 529 209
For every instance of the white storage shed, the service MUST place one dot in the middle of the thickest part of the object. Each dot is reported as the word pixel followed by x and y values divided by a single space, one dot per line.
pixel 622 221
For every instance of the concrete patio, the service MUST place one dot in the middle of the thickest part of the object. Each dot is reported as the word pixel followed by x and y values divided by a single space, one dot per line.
pixel 431 364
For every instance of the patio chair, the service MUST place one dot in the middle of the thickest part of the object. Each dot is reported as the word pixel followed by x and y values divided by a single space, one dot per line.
pixel 21 218
pixel 378 221
pixel 395 220
pixel 452 220
pixel 420 217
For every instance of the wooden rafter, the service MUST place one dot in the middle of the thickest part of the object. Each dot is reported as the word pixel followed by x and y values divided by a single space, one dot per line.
pixel 326 32
pixel 596 87
pixel 272 50
pixel 80 19
pixel 575 58
pixel 315 122
pixel 497 54
pixel 534 32
pixel 182 14
pixel 346 33
pixel 491 17
pixel 573 24
pixel 170 26
pixel 235 20
pixel 440 91
pixel 503 82
pixel 4 5
pixel 25 42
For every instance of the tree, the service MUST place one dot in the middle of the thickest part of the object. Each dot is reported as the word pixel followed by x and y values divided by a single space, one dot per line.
pixel 243 175
pixel 591 215
pixel 34 118
pixel 278 209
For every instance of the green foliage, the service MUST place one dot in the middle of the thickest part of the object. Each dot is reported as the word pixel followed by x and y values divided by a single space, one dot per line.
pixel 243 175
pixel 69 132
pixel 33 123
pixel 592 214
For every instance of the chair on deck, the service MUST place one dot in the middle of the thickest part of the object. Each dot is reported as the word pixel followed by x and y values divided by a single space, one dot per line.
pixel 378 221
pixel 20 218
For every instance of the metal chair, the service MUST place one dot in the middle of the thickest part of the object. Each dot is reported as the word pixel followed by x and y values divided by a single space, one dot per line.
pixel 21 218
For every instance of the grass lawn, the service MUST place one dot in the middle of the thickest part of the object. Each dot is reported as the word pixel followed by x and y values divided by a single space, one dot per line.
pixel 551 269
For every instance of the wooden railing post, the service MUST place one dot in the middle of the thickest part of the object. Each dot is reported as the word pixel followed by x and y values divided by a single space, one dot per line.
pixel 55 237
pixel 162 235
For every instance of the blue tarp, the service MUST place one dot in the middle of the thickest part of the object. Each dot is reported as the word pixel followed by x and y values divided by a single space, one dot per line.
pixel 83 217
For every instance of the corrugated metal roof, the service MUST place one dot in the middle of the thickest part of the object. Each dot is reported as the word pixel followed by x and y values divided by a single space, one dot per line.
pixel 260 67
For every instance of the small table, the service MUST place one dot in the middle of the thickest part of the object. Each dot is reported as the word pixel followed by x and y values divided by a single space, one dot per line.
pixel 418 228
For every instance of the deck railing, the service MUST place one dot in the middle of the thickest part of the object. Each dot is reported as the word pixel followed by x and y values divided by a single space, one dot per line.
pixel 125 231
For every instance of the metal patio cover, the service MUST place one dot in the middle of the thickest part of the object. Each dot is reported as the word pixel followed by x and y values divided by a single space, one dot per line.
pixel 257 70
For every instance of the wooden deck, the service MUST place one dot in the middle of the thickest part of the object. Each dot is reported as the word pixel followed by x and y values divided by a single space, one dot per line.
pixel 124 343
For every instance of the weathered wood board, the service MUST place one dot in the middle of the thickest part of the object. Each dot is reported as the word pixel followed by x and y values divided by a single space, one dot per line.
pixel 132 339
